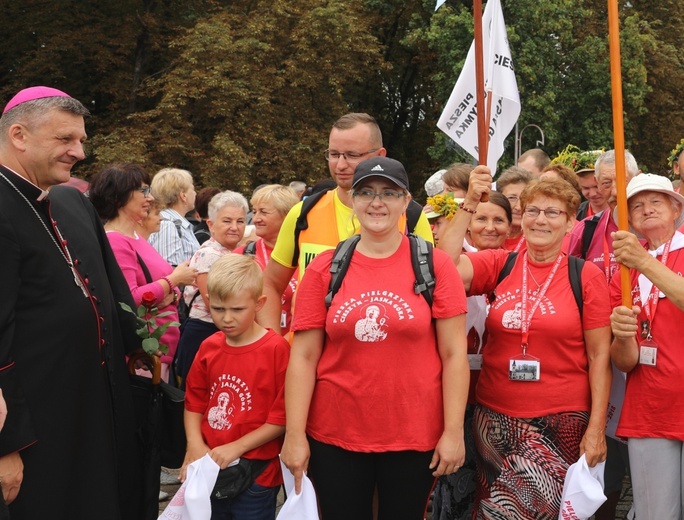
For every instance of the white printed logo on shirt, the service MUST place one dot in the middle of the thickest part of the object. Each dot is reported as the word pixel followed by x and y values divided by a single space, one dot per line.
pixel 512 318
pixel 371 328
pixel 232 397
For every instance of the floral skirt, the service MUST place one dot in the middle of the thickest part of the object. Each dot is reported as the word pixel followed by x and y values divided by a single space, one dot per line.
pixel 522 462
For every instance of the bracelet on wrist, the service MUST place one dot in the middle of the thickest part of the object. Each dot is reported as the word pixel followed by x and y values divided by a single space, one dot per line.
pixel 467 210
pixel 168 280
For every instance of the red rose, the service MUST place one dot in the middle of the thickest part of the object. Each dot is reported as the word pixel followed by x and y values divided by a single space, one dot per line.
pixel 148 299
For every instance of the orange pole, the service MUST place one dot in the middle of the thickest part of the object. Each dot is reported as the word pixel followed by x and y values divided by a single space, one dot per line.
pixel 619 137
pixel 482 121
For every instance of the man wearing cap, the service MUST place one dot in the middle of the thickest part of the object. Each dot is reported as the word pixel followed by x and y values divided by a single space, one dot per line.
pixel 354 137
pixel 68 448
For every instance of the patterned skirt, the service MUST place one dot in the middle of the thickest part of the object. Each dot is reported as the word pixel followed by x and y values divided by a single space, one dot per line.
pixel 522 462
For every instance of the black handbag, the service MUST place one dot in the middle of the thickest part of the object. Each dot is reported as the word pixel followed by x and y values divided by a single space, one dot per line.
pixel 159 409
pixel 233 480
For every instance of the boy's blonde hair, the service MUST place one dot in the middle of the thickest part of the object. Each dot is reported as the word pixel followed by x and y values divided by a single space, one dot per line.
pixel 233 273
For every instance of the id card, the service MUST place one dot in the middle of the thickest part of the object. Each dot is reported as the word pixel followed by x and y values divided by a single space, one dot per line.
pixel 648 351
pixel 524 368
pixel 475 361
pixel 283 319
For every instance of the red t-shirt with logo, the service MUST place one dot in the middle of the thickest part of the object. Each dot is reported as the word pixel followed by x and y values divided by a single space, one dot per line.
pixel 654 398
pixel 378 381
pixel 237 390
pixel 555 336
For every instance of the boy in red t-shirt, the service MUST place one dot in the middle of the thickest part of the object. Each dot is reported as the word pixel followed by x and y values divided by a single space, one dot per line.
pixel 234 403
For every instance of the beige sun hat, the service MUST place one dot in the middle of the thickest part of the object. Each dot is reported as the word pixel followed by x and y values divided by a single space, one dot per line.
pixel 651 182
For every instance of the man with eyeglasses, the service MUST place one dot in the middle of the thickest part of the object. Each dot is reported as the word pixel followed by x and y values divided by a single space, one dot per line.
pixel 353 138
pixel 591 240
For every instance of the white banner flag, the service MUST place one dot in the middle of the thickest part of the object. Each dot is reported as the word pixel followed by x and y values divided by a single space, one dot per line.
pixel 459 118
pixel 439 4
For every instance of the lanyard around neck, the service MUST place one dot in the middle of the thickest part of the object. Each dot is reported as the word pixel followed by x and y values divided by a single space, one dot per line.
pixel 526 319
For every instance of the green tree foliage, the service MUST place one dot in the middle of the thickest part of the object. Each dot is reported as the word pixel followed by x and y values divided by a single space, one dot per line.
pixel 252 94
pixel 244 92
pixel 561 55
pixel 661 126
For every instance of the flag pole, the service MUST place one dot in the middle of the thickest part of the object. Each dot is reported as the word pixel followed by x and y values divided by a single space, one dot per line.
pixel 482 120
pixel 619 137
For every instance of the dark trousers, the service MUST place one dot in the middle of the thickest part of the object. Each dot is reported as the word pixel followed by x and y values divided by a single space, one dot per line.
pixel 255 503
pixel 193 334
pixel 346 480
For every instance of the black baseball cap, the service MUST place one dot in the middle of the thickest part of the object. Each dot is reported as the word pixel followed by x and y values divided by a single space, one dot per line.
pixel 382 167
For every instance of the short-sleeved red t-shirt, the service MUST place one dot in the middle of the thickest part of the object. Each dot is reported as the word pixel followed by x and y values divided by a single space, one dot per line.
pixel 556 336
pixel 378 382
pixel 654 397
pixel 238 389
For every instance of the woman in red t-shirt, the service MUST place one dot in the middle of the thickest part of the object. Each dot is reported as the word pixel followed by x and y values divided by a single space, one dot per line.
pixel 648 346
pixel 543 389
pixel 376 386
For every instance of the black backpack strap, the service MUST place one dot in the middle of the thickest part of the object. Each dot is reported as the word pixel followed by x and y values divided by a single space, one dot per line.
pixel 588 232
pixel 575 266
pixel 339 266
pixel 423 267
pixel 505 271
pixel 250 249
pixel 145 270
pixel 508 267
pixel 302 222
pixel 413 213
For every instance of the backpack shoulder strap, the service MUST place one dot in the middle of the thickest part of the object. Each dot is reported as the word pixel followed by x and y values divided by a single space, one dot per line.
pixel 423 267
pixel 250 249
pixel 508 267
pixel 413 213
pixel 588 233
pixel 575 266
pixel 302 222
pixel 339 266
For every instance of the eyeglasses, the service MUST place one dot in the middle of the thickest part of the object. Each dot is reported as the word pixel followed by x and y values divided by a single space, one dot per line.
pixel 512 199
pixel 145 190
pixel 350 157
pixel 550 213
pixel 369 195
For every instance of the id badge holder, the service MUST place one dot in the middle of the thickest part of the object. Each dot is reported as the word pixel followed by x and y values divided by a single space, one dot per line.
pixel 648 352
pixel 475 361
pixel 283 319
pixel 524 368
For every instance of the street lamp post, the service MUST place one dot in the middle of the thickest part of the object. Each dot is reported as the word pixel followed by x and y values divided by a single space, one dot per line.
pixel 518 139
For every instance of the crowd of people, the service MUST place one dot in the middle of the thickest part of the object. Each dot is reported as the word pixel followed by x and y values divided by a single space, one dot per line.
pixel 323 327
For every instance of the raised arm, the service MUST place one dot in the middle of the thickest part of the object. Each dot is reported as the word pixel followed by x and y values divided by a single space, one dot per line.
pixel 452 240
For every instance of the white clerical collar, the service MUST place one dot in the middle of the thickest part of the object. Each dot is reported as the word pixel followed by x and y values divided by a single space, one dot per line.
pixel 43 193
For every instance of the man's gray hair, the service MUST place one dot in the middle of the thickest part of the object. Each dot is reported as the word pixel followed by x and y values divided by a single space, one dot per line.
pixel 608 158
pixel 31 112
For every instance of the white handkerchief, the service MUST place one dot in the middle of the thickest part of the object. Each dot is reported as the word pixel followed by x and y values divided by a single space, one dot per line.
pixel 192 500
pixel 298 507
